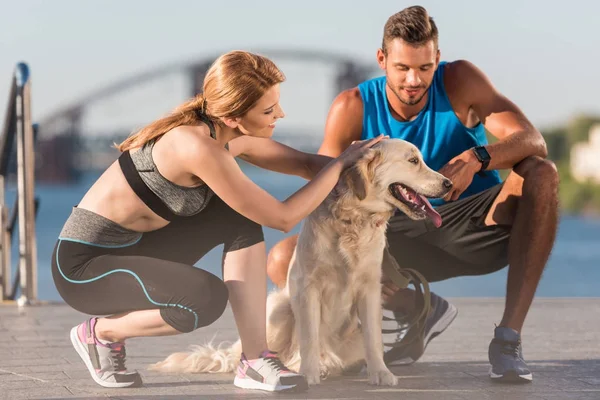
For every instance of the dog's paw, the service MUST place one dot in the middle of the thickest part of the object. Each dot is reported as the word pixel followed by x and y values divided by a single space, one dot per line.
pixel 313 375
pixel 382 377
pixel 324 372
pixel 313 378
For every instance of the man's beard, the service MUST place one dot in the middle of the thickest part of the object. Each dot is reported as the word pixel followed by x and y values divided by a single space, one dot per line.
pixel 409 102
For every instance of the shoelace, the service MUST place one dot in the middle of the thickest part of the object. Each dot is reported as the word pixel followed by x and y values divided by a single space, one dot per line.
pixel 118 357
pixel 509 348
pixel 403 329
pixel 277 364
pixel 403 321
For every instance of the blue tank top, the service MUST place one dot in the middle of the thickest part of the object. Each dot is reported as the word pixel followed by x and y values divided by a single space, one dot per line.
pixel 436 130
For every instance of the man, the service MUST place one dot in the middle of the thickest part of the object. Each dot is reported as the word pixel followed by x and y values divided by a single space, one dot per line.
pixel 444 109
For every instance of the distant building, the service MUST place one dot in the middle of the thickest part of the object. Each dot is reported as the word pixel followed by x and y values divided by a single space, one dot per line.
pixel 585 158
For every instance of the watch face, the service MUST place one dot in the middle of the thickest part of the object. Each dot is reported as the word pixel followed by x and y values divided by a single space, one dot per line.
pixel 482 153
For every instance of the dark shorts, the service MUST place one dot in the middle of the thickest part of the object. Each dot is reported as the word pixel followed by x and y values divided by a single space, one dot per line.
pixel 462 246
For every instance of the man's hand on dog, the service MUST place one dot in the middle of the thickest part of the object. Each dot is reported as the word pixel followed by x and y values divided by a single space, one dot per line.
pixel 388 290
pixel 460 170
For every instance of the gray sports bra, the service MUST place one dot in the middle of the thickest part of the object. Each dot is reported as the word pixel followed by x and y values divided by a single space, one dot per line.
pixel 181 200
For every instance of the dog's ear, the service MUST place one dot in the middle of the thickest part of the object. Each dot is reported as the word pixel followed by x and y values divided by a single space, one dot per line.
pixel 360 175
pixel 356 182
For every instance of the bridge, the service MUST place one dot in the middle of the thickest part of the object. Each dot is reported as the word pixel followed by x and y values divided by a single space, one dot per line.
pixel 64 149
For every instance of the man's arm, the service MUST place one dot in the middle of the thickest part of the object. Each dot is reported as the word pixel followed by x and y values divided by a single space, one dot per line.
pixel 472 94
pixel 517 137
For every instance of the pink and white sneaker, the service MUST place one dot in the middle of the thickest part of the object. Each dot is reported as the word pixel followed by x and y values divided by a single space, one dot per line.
pixel 106 362
pixel 268 373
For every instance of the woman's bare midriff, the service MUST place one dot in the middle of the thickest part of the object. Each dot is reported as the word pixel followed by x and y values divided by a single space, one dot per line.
pixel 112 197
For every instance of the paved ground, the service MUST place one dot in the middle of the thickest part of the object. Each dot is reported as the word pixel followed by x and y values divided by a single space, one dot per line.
pixel 560 343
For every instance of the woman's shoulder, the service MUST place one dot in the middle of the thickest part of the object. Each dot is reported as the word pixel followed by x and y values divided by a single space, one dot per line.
pixel 188 135
pixel 189 140
pixel 189 132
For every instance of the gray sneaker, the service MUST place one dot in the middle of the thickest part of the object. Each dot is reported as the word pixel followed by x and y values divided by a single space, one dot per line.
pixel 268 373
pixel 506 357
pixel 440 317
pixel 106 362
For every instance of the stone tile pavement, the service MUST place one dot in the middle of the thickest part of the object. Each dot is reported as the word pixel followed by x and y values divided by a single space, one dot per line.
pixel 561 344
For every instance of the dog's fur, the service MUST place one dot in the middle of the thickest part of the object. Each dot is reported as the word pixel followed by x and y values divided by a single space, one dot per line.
pixel 335 274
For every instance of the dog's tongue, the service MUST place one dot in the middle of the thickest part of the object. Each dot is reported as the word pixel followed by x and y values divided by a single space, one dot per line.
pixel 431 213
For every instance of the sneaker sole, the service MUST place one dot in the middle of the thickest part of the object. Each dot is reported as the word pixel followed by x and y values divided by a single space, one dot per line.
pixel 252 384
pixel 86 360
pixel 511 377
pixel 437 329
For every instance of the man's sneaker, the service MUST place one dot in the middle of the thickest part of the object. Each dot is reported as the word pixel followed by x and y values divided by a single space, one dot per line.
pixel 268 373
pixel 506 356
pixel 440 317
pixel 106 362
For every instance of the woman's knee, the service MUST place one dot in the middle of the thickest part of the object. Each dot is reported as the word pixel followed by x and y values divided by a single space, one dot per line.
pixel 244 234
pixel 198 308
pixel 235 230
pixel 210 308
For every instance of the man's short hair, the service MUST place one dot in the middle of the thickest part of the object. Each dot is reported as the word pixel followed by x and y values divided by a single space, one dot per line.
pixel 413 25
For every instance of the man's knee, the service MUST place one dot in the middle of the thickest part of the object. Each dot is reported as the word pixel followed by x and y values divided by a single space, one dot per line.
pixel 532 178
pixel 278 260
pixel 538 173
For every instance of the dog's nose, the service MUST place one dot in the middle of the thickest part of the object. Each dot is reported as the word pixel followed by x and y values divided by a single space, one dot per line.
pixel 447 183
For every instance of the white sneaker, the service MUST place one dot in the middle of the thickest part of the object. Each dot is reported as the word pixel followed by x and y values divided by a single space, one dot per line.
pixel 106 362
pixel 268 373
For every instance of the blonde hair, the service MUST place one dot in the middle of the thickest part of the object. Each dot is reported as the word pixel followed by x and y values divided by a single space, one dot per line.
pixel 232 86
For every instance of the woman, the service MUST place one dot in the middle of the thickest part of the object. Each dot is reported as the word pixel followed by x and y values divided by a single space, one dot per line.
pixel 128 248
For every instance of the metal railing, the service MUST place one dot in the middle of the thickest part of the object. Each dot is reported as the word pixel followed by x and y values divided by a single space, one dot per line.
pixel 18 128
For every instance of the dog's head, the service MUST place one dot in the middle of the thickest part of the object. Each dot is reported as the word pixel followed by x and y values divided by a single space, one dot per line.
pixel 392 174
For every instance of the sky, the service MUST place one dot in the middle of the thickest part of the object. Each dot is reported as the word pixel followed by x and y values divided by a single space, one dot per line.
pixel 542 55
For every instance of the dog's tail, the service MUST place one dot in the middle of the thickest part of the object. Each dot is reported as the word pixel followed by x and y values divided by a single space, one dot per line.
pixel 202 359
pixel 224 358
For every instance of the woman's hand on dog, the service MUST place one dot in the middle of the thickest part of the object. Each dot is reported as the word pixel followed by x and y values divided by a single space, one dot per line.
pixel 357 149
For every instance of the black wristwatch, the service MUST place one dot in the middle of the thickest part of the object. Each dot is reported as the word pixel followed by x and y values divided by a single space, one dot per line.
pixel 483 156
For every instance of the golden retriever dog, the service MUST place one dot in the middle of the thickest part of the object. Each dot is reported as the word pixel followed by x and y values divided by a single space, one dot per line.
pixel 329 315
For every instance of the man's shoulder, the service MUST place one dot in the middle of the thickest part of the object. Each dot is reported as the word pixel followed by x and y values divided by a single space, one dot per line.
pixel 371 85
pixel 349 100
pixel 458 68
pixel 344 122
pixel 349 104
pixel 369 91
pixel 461 79
pixel 461 72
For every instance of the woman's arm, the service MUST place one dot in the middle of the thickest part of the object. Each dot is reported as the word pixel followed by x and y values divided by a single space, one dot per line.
pixel 274 156
pixel 222 174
